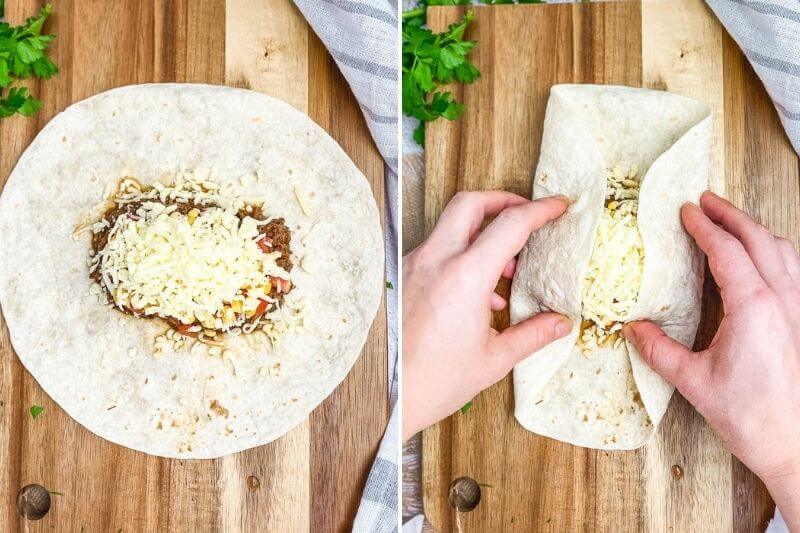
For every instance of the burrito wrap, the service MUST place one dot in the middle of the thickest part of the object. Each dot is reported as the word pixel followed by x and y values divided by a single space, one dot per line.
pixel 559 392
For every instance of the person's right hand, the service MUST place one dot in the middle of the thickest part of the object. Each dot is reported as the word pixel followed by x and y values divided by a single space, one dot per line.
pixel 747 382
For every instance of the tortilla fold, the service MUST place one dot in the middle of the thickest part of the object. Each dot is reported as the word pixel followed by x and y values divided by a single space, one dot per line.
pixel 610 399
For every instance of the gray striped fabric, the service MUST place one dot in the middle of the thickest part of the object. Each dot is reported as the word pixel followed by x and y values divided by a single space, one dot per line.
pixel 362 36
pixel 768 32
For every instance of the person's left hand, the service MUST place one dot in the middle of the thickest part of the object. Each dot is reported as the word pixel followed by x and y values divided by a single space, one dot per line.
pixel 450 352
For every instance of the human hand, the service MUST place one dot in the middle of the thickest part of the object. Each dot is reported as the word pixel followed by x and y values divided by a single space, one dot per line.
pixel 746 384
pixel 450 352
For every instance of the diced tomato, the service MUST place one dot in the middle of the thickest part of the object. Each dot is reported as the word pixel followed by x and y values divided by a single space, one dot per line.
pixel 265 245
pixel 183 329
pixel 280 284
pixel 262 306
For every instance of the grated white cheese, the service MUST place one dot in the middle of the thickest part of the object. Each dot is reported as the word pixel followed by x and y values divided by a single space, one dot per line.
pixel 187 267
pixel 282 321
pixel 614 275
pixel 303 201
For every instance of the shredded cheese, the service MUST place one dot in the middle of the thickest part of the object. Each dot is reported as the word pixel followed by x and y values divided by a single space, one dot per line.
pixel 204 267
pixel 282 321
pixel 303 201
pixel 612 280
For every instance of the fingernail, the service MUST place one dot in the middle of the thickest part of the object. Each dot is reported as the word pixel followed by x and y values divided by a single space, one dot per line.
pixel 564 326
pixel 561 197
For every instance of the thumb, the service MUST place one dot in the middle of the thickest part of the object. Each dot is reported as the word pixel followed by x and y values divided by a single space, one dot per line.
pixel 669 358
pixel 520 340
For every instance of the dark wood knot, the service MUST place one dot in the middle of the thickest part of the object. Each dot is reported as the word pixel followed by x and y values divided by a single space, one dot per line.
pixel 464 494
pixel 33 502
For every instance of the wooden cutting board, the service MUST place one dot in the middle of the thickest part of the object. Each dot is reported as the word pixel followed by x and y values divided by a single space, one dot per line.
pixel 683 480
pixel 312 478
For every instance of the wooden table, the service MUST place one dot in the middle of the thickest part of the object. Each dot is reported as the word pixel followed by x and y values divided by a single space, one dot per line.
pixel 541 484
pixel 310 479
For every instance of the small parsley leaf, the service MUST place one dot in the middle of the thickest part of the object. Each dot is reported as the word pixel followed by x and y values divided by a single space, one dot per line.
pixel 467 406
pixel 389 285
pixel 36 410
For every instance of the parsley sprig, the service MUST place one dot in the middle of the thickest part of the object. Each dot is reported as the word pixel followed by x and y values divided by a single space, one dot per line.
pixel 431 60
pixel 22 55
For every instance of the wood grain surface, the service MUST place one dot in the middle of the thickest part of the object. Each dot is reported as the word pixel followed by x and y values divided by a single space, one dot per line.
pixel 539 484
pixel 309 480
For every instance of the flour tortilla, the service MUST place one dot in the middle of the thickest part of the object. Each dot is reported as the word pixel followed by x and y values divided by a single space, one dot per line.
pixel 97 363
pixel 558 391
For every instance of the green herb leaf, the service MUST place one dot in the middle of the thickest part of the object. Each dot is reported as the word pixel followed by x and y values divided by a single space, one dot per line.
pixel 36 410
pixel 55 492
pixel 419 134
pixel 431 60
pixel 389 285
pixel 5 75
pixel 19 101
pixel 22 55
pixel 467 407
pixel 486 485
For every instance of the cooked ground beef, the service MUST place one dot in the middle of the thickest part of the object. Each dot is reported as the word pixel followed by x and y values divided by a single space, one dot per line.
pixel 275 232
pixel 280 237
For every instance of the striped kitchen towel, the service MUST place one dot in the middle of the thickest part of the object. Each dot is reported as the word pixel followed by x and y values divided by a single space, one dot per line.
pixel 362 37
pixel 768 32
pixel 379 509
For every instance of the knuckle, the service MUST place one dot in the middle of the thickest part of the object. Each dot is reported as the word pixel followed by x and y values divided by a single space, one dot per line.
pixel 786 244
pixel 761 233
pixel 549 333
pixel 650 352
pixel 463 198
pixel 511 215
pixel 764 298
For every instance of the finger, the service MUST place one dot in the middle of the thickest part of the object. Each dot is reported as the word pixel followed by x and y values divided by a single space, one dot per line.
pixel 509 269
pixel 521 340
pixel 728 261
pixel 464 215
pixel 670 359
pixel 508 233
pixel 498 303
pixel 790 259
pixel 757 240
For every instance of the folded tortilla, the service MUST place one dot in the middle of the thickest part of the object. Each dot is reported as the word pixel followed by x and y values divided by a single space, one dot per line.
pixel 98 363
pixel 608 397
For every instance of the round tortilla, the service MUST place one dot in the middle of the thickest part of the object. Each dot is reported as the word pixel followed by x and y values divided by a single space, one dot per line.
pixel 98 363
